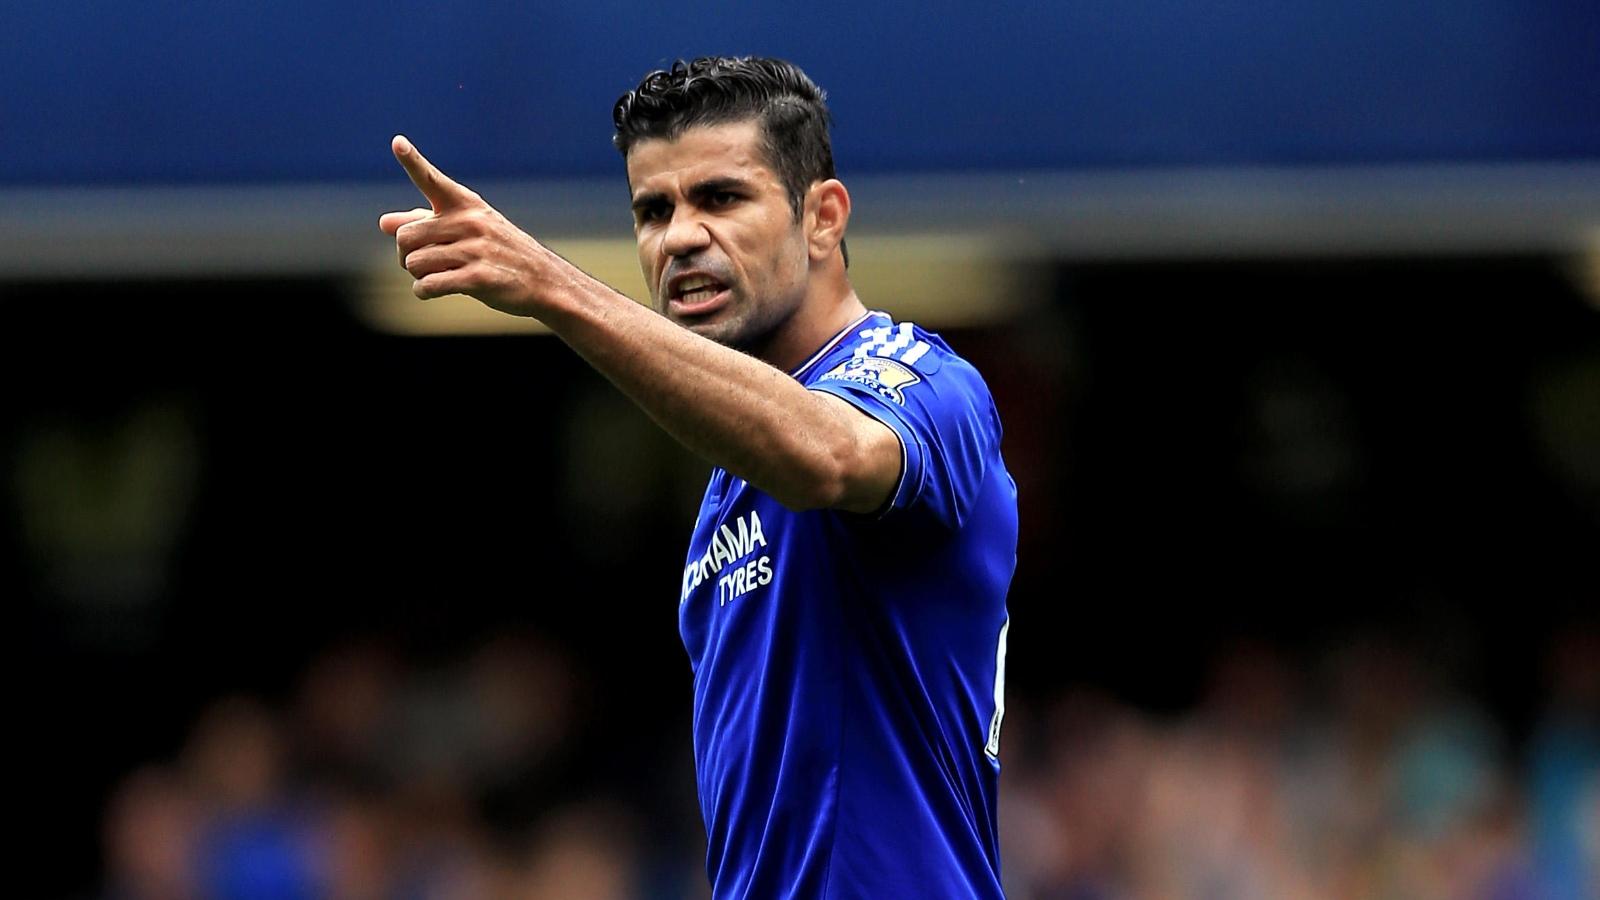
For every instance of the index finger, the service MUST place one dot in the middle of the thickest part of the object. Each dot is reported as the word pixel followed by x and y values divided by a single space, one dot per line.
pixel 440 190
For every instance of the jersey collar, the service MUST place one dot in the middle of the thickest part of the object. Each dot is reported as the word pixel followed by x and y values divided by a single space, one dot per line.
pixel 834 341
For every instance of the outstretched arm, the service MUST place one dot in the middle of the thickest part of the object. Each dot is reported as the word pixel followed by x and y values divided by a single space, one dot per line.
pixel 807 449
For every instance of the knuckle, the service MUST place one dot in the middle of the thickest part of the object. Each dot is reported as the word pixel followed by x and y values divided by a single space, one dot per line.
pixel 415 226
pixel 421 263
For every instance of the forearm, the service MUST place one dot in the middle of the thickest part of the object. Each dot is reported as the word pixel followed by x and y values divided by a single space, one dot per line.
pixel 805 449
pixel 731 409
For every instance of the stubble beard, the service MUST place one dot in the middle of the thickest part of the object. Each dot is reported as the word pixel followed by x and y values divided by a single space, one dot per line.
pixel 744 324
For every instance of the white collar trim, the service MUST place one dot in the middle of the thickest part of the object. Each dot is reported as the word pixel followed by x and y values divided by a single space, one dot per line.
pixel 834 341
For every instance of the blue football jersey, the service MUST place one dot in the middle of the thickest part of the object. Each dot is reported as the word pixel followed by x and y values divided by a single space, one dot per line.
pixel 848 669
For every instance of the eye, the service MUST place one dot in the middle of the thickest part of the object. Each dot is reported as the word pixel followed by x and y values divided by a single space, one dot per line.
pixel 653 212
pixel 719 199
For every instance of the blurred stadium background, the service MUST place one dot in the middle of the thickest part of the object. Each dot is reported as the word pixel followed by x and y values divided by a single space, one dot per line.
pixel 1292 312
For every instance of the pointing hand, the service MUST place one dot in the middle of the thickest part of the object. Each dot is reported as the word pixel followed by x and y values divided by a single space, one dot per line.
pixel 462 245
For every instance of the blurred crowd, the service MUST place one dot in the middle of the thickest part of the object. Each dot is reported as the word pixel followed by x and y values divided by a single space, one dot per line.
pixel 1367 777
pixel 1364 773
pixel 383 777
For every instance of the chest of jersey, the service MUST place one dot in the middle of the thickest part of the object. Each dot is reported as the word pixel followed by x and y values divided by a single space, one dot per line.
pixel 734 559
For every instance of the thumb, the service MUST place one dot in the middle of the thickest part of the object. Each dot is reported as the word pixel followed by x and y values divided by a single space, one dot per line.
pixel 389 223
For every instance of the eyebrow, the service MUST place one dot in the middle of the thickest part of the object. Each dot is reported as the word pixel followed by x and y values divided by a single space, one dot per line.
pixel 698 191
pixel 645 201
pixel 702 189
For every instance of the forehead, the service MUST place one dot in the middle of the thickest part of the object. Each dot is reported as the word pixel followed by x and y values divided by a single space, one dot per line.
pixel 729 149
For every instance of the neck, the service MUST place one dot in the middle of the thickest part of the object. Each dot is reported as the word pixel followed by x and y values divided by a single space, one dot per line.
pixel 819 318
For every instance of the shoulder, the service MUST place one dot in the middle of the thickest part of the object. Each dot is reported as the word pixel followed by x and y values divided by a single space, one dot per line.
pixel 937 404
pixel 892 358
pixel 907 343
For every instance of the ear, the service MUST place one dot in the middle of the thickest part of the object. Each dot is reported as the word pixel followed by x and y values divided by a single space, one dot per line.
pixel 827 215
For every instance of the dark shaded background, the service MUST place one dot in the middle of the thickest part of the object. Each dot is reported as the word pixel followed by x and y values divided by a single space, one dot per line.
pixel 214 484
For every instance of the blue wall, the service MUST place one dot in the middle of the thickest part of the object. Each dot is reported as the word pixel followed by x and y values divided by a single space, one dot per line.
pixel 166 92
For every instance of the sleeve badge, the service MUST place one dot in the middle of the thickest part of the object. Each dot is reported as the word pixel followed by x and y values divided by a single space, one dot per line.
pixel 885 377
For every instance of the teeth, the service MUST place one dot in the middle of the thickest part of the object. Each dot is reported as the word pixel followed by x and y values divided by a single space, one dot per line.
pixel 694 284
pixel 698 296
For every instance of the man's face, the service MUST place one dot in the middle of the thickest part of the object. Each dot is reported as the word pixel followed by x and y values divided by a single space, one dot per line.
pixel 718 243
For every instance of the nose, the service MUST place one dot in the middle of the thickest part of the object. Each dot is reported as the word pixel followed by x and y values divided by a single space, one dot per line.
pixel 685 234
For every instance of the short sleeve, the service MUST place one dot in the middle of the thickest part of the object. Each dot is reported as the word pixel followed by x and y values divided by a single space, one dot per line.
pixel 941 410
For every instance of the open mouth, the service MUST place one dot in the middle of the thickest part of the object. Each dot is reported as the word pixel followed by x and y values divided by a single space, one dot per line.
pixel 696 294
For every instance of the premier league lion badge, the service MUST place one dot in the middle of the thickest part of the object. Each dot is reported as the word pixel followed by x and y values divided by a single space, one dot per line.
pixel 887 378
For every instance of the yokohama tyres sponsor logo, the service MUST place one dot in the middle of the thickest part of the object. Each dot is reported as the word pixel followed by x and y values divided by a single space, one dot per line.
pixel 730 544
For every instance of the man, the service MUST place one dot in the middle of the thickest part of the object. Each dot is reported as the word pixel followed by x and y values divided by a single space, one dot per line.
pixel 844 600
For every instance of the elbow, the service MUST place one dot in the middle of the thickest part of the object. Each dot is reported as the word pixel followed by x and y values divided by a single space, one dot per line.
pixel 825 478
pixel 818 486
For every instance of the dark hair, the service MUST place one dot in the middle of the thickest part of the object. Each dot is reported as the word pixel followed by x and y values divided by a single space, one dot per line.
pixel 713 90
